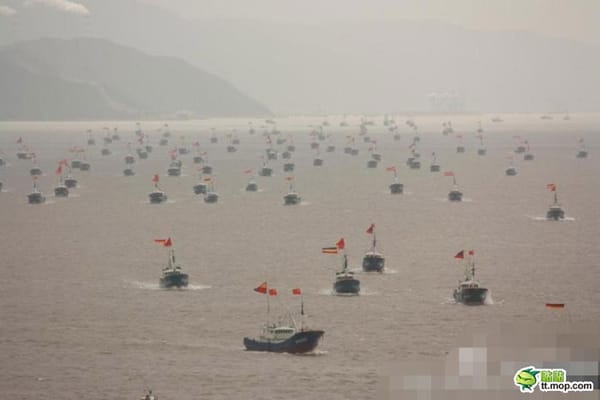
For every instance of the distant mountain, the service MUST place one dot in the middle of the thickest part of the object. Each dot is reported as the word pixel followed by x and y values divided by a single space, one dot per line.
pixel 53 79
pixel 346 67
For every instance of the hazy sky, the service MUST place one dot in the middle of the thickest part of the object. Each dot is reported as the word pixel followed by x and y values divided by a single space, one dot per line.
pixel 577 19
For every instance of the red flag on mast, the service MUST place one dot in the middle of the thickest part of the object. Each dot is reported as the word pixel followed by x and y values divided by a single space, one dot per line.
pixel 555 305
pixel 471 252
pixel 59 170
pixel 371 228
pixel 448 173
pixel 341 244
pixel 168 243
pixel 460 255
pixel 296 291
pixel 392 168
pixel 155 178
pixel 273 292
pixel 551 187
pixel 262 288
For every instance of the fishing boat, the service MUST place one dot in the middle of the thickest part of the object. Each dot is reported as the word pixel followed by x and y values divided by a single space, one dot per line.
pixel 211 196
pixel 372 163
pixel 157 196
pixel 207 169
pixel 35 171
pixel 286 155
pixel 434 167
pixel 172 275
pixel 454 194
pixel 283 336
pixel 105 151
pixel 582 153
pixel 23 155
pixel 149 396
pixel 201 187
pixel 330 148
pixel 555 212
pixel 460 148
pixel 481 151
pixel 373 261
pixel 35 197
pixel 174 169
pixel 76 164
pixel 317 161
pixel 129 159
pixel 292 197
pixel 395 187
pixel 511 170
pixel 470 291
pixel 251 186
pixel 231 149
pixel 265 170
pixel 85 166
pixel 289 167
pixel 345 282
pixel 142 152
pixel 271 154
pixel 128 171
pixel 61 190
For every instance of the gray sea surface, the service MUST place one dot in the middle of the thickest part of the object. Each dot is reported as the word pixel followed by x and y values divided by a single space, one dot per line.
pixel 82 315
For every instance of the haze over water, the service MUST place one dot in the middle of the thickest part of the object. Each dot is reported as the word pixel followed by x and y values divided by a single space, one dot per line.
pixel 83 317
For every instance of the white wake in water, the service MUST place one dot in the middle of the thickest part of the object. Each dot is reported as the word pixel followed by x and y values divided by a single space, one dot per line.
pixel 565 219
pixel 156 286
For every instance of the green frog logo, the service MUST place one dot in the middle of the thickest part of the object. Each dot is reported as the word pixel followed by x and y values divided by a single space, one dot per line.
pixel 526 379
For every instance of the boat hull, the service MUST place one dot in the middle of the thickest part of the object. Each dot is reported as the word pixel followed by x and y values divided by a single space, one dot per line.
pixel 373 263
pixel 301 342
pixel 471 296
pixel 555 214
pixel 347 286
pixel 174 281
pixel 396 188
pixel 455 196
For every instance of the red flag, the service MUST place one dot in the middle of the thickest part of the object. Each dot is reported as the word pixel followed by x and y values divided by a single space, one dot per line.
pixel 551 187
pixel 341 244
pixel 555 305
pixel 273 292
pixel 392 168
pixel 296 291
pixel 207 179
pixel 460 255
pixel 168 243
pixel 471 252
pixel 160 241
pixel 155 179
pixel 448 173
pixel 289 178
pixel 59 169
pixel 262 288
pixel 371 228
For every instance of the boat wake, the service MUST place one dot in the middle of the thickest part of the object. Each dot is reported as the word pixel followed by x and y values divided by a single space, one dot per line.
pixel 546 219
pixel 156 286
pixel 331 292
pixel 305 203
pixel 314 353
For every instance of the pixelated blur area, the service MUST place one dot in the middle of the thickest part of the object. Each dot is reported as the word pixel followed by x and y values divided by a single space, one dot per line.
pixel 484 364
